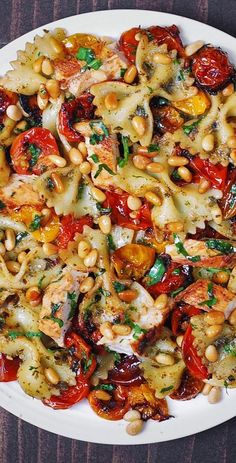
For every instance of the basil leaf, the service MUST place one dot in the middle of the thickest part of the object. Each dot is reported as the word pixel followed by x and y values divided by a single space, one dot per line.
pixel 223 246
pixel 181 249
pixel 111 243
pixel 156 273
pixel 125 143
pixel 212 299
pixel 105 387
pixel 105 167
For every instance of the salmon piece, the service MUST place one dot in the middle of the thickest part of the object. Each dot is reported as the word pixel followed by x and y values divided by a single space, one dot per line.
pixel 20 192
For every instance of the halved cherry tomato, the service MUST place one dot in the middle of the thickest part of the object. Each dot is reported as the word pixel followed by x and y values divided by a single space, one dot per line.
pixel 73 111
pixel 70 226
pixel 114 409
pixel 216 174
pixel 181 315
pixel 80 351
pixel 189 388
pixel 191 358
pixel 228 201
pixel 211 68
pixel 6 99
pixel 46 233
pixel 166 119
pixel 175 277
pixel 128 43
pixel 133 260
pixel 30 150
pixel 75 41
pixel 126 372
pixel 30 106
pixel 142 398
pixel 194 105
pixel 120 212
pixel 8 368
pixel 70 396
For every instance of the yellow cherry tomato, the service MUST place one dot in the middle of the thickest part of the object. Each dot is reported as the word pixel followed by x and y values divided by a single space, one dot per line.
pixel 194 105
pixel 75 41
pixel 49 232
pixel 25 214
pixel 28 215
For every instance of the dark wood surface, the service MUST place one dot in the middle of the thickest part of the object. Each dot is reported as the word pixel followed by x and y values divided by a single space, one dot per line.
pixel 24 443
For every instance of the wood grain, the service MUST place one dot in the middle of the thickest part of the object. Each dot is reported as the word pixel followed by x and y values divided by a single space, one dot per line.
pixel 24 443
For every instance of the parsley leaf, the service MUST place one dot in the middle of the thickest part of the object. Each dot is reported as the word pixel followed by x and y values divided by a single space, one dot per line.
pixel 122 72
pixel 137 330
pixel 181 249
pixel 189 128
pixel 95 158
pixel 55 319
pixel 55 308
pixel 80 190
pixel 105 387
pixel 40 282
pixel 152 148
pixel 177 291
pixel 166 389
pixel 125 143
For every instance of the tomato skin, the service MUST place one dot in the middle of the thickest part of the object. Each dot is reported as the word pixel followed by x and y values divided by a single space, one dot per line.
pixel 211 68
pixel 79 109
pixel 8 368
pixel 80 350
pixel 133 260
pixel 126 372
pixel 113 409
pixel 228 202
pixel 166 119
pixel 128 43
pixel 69 397
pixel 182 314
pixel 191 358
pixel 189 387
pixel 120 212
pixel 169 281
pixel 216 174
pixel 69 227
pixel 21 156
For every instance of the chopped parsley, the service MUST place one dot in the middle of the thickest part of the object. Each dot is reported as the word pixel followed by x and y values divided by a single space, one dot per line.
pixel 122 161
pixel 40 282
pixel 104 292
pixel 152 148
pixel 176 271
pixel 105 167
pixel 212 299
pixel 55 308
pixel 149 35
pixel 95 64
pixel 35 152
pixel 105 387
pixel 88 55
pixel 137 330
pixel 95 139
pixel 140 111
pixel 156 273
pixel 111 243
pixel 36 223
pixel 176 61
pixel 95 158
pixel 219 245
pixel 150 89
pixel 230 349
pixel 55 319
pixel 2 205
pixel 119 287
pixel 181 75
pixel 181 249
pixel 80 190
pixel 86 364
pixel 122 72
pixel 20 236
pixel 189 128
pixel 166 389
pixel 73 303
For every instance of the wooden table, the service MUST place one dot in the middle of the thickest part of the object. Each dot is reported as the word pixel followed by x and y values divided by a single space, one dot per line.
pixel 21 442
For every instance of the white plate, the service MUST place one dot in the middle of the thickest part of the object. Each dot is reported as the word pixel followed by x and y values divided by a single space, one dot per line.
pixel 80 422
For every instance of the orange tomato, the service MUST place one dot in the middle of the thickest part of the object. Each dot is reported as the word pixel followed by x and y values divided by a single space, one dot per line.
pixel 75 41
pixel 194 105
pixel 133 260
pixel 45 234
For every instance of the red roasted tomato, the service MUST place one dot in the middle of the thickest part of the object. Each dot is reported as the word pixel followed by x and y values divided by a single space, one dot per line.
pixel 228 201
pixel 72 395
pixel 174 278
pixel 73 111
pixel 8 368
pixel 181 316
pixel 189 387
pixel 113 409
pixel 191 358
pixel 126 372
pixel 216 174
pixel 82 359
pixel 69 227
pixel 30 150
pixel 211 68
pixel 120 212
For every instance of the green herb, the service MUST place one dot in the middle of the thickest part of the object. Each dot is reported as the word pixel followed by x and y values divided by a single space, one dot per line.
pixel 95 158
pixel 99 125
pixel 103 210
pixel 85 54
pixel 20 236
pixel 104 292
pixel 105 167
pixel 181 249
pixel 35 152
pixel 55 308
pixel 40 282
pixel 111 243
pixel 177 291
pixel 166 389
pixel 175 175
pixel 105 387
pixel 32 368
pixel 189 128
pixel 176 61
pixel 212 299
pixel 226 385
pixel 29 334
pixel 80 190
pixel 233 189
pixel 122 72
pixel 86 364
pixel 73 303
pixel 95 139
pixel 36 223
pixel 152 148
pixel 213 270
pixel 33 334
pixel 117 357
pixel 55 319
pixel 176 271
pixel 95 64
pixel 156 273
pixel 118 287
pixel 181 75
pixel 136 328
pixel 2 205
pixel 150 36
pixel 50 185
pixel 219 245
pixel 125 143
pixel 100 272
pixel 140 111
pixel 150 89
pixel 230 349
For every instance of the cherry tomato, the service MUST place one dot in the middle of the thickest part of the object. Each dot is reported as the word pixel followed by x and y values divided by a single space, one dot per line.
pixel 30 150
pixel 181 315
pixel 142 398
pixel 128 43
pixel 133 260
pixel 73 111
pixel 191 358
pixel 126 372
pixel 169 36
pixel 80 351
pixel 228 201
pixel 175 277
pixel 28 214
pixel 8 368
pixel 189 387
pixel 6 99
pixel 120 212
pixel 113 409
pixel 216 174
pixel 75 41
pixel 30 106
pixel 70 396
pixel 70 226
pixel 166 119
pixel 211 68
pixel 194 105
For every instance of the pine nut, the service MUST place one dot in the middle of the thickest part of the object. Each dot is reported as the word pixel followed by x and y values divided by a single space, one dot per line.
pixel 138 36
pixel 161 301
pixel 43 92
pixel 139 125
pixel 213 331
pixel 193 47
pixel 102 395
pixel 185 174
pixel 214 317
pixel 49 249
pixel 155 167
pixel 59 161
pixel 91 259
pixel 104 223
pixel 75 156
pixel 134 203
pixel 2 249
pixel 12 266
pixel 98 195
pixel 106 330
pixel 85 168
pixel 214 395
pixel 221 277
pixel 51 375
pixel 216 214
pixel 153 198
pixel 179 340
pixel 57 182
pixel 165 359
pixel 84 247
pixel 134 428
pixel 231 142
pixel 175 226
pixel 161 58
pixel 121 330
pixel 37 66
pixel 128 295
pixel 46 216
pixel 211 353
pixel 10 241
pixel 87 285
pixel 53 88
pixel 56 45
pixel 233 156
pixel 130 74
pixel 21 126
pixel 132 415
pixel 42 102
pixel 47 67
pixel 140 161
pixel 232 318
pixel 82 148
pixel 177 161
pixel 206 389
pixel 204 186
pixel 111 101
pixel 229 90
pixel 208 142
pixel 21 257
pixel 14 113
